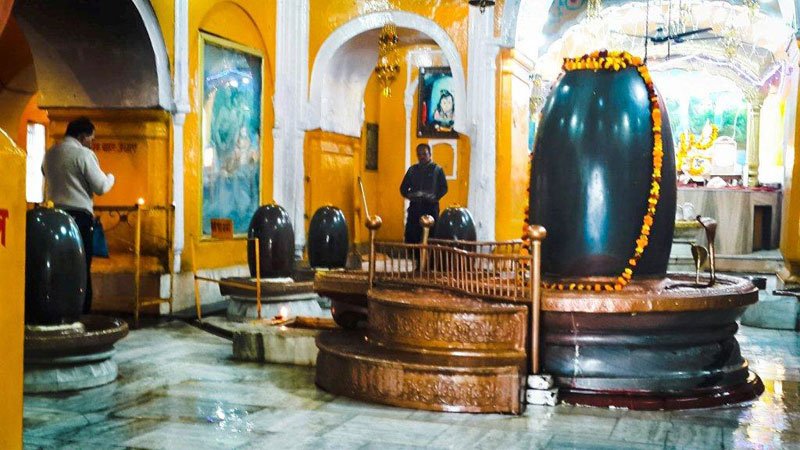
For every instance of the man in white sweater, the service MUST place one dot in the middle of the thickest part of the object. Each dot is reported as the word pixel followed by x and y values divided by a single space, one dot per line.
pixel 73 176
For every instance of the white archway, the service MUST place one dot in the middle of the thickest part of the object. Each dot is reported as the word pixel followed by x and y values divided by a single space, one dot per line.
pixel 153 28
pixel 337 88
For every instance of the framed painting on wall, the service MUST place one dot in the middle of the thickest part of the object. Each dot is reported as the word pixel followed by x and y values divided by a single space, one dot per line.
pixel 437 105
pixel 371 155
pixel 231 132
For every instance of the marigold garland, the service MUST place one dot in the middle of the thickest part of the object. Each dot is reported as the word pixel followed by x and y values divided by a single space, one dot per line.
pixel 687 141
pixel 605 60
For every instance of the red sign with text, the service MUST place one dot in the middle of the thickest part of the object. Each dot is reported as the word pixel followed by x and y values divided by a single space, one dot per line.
pixel 3 218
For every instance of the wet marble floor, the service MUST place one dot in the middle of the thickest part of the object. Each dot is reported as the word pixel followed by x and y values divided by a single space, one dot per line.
pixel 179 389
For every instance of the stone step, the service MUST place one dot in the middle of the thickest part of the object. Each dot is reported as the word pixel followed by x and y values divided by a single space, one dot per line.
pixel 435 321
pixel 350 365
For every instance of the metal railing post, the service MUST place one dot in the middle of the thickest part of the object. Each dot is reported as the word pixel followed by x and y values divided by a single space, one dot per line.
pixel 257 243
pixel 426 222
pixel 373 224
pixel 137 255
pixel 536 233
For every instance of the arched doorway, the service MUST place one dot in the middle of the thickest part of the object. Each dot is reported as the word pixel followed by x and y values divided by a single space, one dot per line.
pixel 107 61
pixel 356 132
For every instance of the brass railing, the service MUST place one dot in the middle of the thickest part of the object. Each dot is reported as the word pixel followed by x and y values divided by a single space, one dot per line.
pixel 123 214
pixel 513 247
pixel 500 271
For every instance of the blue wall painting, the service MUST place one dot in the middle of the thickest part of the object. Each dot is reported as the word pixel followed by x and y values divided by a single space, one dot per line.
pixel 437 105
pixel 231 134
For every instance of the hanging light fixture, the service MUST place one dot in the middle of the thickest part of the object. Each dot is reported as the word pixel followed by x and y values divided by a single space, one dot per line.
pixel 482 4
pixel 388 60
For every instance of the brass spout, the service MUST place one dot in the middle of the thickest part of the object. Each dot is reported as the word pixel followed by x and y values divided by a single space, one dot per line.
pixel 710 225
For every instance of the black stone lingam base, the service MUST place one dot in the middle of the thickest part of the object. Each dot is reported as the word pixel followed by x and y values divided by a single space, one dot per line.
pixel 72 356
pixel 658 344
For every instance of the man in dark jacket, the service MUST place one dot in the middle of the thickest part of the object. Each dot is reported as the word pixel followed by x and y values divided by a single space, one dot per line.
pixel 423 185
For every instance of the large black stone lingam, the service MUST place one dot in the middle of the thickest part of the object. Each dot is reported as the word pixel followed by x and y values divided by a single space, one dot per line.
pixel 590 177
pixel 55 268
pixel 328 238
pixel 271 225
pixel 455 223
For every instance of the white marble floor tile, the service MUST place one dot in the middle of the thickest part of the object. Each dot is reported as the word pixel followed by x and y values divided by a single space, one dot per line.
pixel 181 436
pixel 386 430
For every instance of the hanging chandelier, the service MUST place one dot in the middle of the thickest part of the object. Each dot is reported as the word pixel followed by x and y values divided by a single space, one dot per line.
pixel 482 4
pixel 388 59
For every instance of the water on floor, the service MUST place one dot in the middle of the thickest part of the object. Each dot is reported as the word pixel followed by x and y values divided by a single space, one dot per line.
pixel 179 389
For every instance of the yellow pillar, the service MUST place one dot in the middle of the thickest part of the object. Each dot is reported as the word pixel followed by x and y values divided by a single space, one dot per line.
pixel 12 279
pixel 790 220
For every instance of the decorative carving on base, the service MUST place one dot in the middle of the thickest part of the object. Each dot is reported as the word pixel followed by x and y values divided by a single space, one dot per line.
pixel 349 366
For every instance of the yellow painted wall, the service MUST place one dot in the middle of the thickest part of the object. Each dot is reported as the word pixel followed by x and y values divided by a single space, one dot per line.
pixel 134 145
pixel 513 119
pixel 12 278
pixel 250 23
pixel 790 221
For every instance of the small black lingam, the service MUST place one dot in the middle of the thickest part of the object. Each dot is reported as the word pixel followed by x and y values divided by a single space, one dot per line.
pixel 273 228
pixel 328 238
pixel 63 350
pixel 283 292
pixel 455 223
pixel 55 268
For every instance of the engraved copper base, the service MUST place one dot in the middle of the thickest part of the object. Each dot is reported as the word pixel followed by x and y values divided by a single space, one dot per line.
pixel 661 344
pixel 348 293
pixel 645 401
pixel 432 350
pixel 348 365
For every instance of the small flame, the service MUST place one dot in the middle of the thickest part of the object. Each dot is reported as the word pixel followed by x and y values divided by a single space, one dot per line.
pixel 284 312
pixel 140 201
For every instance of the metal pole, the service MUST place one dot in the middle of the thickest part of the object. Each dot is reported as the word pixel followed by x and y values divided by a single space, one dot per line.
pixel 138 264
pixel 196 280
pixel 258 277
pixel 426 222
pixel 171 256
pixel 373 224
pixel 364 198
pixel 536 233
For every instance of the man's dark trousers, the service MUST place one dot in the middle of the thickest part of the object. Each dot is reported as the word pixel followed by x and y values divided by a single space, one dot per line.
pixel 85 223
pixel 417 209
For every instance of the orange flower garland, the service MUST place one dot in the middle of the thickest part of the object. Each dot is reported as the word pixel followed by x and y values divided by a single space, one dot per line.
pixel 605 60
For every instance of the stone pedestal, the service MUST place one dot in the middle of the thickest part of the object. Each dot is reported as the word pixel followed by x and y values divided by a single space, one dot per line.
pixel 241 309
pixel 281 296
pixel 73 356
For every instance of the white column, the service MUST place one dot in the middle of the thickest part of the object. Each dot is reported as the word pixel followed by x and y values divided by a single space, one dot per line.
pixel 753 141
pixel 180 108
pixel 291 92
pixel 481 83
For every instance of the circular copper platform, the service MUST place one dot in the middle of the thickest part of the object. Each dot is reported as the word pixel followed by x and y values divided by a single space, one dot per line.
pixel 676 292
pixel 348 366
pixel 435 321
pixel 348 293
pixel 662 344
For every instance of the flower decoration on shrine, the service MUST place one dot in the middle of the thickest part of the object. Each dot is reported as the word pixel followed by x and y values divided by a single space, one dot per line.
pixel 615 61
pixel 692 158
pixel 388 59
